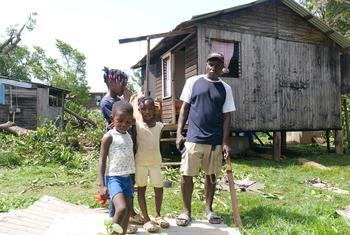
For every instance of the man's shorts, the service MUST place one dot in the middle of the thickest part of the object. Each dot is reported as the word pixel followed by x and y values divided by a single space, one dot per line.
pixel 154 173
pixel 201 156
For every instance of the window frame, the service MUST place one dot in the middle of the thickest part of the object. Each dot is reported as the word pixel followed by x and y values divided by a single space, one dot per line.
pixel 239 55
pixel 166 57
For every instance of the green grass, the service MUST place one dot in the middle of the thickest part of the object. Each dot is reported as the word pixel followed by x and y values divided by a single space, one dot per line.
pixel 301 209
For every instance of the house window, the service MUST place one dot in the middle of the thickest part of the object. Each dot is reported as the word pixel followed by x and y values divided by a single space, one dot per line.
pixel 232 53
pixel 166 76
pixel 2 94
pixel 98 100
pixel 55 98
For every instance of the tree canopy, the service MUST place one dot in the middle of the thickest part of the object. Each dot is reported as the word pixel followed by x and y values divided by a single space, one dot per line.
pixel 20 63
pixel 336 13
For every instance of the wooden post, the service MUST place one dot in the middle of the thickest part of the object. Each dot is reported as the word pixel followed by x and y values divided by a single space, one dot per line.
pixel 146 86
pixel 173 108
pixel 338 142
pixel 276 146
pixel 328 142
pixel 346 114
pixel 283 142
pixel 62 110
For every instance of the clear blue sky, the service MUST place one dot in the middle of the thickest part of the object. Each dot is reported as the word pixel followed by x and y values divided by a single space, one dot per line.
pixel 94 27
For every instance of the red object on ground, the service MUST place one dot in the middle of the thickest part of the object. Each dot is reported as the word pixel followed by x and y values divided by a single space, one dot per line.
pixel 102 198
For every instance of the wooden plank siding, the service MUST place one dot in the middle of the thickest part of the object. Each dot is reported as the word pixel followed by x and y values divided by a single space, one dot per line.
pixel 190 70
pixel 167 110
pixel 270 19
pixel 345 72
pixel 290 71
pixel 4 110
pixel 25 100
pixel 284 85
pixel 191 55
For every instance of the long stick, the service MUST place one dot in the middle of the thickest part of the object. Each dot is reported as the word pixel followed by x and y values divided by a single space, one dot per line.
pixel 234 203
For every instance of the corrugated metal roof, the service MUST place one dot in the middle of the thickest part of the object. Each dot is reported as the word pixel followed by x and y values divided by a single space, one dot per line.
pixel 19 82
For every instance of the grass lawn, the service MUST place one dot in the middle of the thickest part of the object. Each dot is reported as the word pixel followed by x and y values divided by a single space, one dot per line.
pixel 298 208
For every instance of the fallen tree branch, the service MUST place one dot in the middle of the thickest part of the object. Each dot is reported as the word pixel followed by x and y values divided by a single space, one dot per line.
pixel 13 129
pixel 81 119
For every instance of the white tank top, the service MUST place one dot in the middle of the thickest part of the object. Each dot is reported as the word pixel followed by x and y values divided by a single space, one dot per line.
pixel 120 155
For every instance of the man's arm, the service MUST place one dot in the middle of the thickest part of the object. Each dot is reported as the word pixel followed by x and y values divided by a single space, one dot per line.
pixel 183 116
pixel 226 132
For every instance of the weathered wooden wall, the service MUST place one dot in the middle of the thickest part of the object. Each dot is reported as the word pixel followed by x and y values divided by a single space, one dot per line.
pixel 191 56
pixel 25 100
pixel 4 110
pixel 345 72
pixel 44 110
pixel 190 70
pixel 290 72
pixel 284 85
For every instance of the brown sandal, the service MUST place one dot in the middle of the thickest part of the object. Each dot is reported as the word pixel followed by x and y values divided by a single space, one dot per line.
pixel 162 222
pixel 151 227
pixel 132 229
pixel 136 219
pixel 183 220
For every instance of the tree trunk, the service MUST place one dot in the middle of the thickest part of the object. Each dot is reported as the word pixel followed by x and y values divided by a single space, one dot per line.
pixel 13 129
pixel 82 120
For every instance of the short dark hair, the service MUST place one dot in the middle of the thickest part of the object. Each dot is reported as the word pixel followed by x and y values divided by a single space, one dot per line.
pixel 122 106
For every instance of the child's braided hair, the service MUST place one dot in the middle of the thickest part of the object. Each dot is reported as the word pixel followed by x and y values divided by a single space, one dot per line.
pixel 113 74
pixel 142 100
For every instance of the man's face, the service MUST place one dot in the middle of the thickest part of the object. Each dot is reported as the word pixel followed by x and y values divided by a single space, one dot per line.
pixel 122 121
pixel 214 68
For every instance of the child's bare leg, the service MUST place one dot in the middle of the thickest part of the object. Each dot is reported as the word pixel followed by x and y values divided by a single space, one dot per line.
pixel 141 195
pixel 125 221
pixel 158 199
pixel 121 211
pixel 133 212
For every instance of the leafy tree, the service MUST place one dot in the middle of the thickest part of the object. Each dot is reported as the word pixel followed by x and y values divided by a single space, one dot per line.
pixel 69 73
pixel 74 68
pixel 15 64
pixel 336 13
pixel 14 35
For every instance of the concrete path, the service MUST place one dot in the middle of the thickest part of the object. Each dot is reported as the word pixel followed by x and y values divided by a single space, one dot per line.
pixel 51 216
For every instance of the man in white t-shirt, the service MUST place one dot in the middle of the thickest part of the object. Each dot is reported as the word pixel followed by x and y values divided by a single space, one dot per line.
pixel 207 104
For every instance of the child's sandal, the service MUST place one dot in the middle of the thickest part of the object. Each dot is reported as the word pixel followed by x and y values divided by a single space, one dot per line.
pixel 162 222
pixel 136 219
pixel 151 227
pixel 132 229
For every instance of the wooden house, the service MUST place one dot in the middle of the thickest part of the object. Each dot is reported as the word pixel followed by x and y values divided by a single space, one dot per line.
pixel 287 67
pixel 28 104
pixel 95 99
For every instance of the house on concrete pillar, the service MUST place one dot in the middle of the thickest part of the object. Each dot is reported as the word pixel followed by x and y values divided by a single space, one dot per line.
pixel 287 67
pixel 28 104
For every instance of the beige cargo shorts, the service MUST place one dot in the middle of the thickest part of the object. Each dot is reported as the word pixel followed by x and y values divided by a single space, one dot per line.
pixel 201 157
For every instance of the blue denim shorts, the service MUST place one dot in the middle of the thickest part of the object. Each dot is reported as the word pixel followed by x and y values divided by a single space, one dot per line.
pixel 119 184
